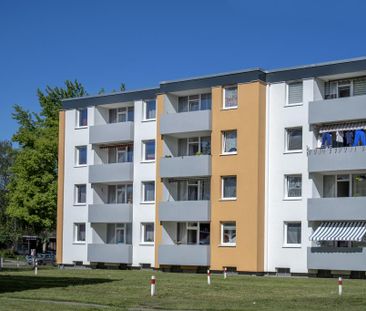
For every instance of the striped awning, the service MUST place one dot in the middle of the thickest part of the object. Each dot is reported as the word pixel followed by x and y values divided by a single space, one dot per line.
pixel 343 127
pixel 340 231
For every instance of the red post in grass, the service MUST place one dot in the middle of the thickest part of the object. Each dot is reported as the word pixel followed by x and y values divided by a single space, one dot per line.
pixel 209 277
pixel 340 284
pixel 153 286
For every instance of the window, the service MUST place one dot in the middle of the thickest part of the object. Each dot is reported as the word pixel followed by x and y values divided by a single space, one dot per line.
pixel 294 139
pixel 150 109
pixel 79 232
pixel 120 233
pixel 228 233
pixel 194 146
pixel 345 88
pixel 148 147
pixel 148 189
pixel 147 232
pixel 193 233
pixel 194 102
pixel 82 117
pixel 228 191
pixel 81 155
pixel 295 91
pixel 293 185
pixel 120 154
pixel 229 142
pixel 80 191
pixel 122 114
pixel 230 97
pixel 344 185
pixel 193 189
pixel 120 194
pixel 292 234
pixel 359 185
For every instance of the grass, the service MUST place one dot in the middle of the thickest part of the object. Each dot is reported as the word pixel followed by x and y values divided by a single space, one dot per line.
pixel 55 289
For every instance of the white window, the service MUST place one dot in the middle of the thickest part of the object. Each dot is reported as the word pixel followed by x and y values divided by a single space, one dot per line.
pixel 82 117
pixel 149 109
pixel 194 146
pixel 79 232
pixel 228 187
pixel 228 233
pixel 120 194
pixel 147 232
pixel 81 155
pixel 230 97
pixel 148 191
pixel 295 93
pixel 148 150
pixel 122 114
pixel 120 154
pixel 294 139
pixel 120 233
pixel 292 234
pixel 229 142
pixel 80 194
pixel 194 102
pixel 193 189
pixel 293 186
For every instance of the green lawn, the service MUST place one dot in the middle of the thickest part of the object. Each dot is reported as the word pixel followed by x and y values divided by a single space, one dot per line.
pixel 55 289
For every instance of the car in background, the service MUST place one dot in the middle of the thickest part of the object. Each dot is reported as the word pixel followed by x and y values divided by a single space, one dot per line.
pixel 42 259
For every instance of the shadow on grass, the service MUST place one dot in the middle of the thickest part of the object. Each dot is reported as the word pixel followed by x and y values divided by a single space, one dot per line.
pixel 17 283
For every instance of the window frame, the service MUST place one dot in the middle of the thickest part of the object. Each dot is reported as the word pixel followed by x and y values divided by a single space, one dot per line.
pixel 224 107
pixel 76 231
pixel 223 142
pixel 120 227
pixel 288 104
pixel 222 226
pixel 144 112
pixel 78 116
pixel 117 188
pixel 143 186
pixel 144 142
pixel 143 231
pixel 189 100
pixel 76 194
pixel 285 229
pixel 222 188
pixel 286 187
pixel 287 137
pixel 77 156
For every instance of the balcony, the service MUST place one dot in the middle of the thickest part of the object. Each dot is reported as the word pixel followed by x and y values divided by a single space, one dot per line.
pixel 109 213
pixel 110 253
pixel 336 110
pixel 185 122
pixel 184 255
pixel 111 133
pixel 185 211
pixel 340 258
pixel 337 159
pixel 189 166
pixel 115 172
pixel 327 209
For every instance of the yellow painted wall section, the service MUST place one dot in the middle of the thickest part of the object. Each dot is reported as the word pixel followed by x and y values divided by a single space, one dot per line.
pixel 249 167
pixel 158 183
pixel 60 187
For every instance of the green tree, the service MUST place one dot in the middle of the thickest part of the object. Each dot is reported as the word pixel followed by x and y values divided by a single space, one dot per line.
pixel 8 232
pixel 33 183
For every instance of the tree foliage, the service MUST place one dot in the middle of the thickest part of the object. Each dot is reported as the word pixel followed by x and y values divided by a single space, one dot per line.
pixel 33 183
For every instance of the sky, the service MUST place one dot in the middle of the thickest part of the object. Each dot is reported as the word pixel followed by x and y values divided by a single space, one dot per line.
pixel 141 43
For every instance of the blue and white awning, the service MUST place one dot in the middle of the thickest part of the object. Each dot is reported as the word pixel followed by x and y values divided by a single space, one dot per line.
pixel 340 231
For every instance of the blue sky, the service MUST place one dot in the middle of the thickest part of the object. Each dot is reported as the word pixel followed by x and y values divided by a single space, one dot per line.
pixel 103 43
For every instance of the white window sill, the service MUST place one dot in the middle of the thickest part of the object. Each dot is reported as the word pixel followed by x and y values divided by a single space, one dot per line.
pixel 78 243
pixel 148 202
pixel 293 199
pixel 228 199
pixel 292 151
pixel 227 245
pixel 229 108
pixel 149 120
pixel 148 161
pixel 293 105
pixel 79 204
pixel 228 153
pixel 82 165
pixel 81 127
pixel 291 246
pixel 146 243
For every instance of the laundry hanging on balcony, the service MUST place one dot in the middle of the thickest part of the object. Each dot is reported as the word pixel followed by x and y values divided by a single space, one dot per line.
pixel 340 231
pixel 342 127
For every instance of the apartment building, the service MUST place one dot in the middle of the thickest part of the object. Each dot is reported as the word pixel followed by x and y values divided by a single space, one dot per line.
pixel 256 171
